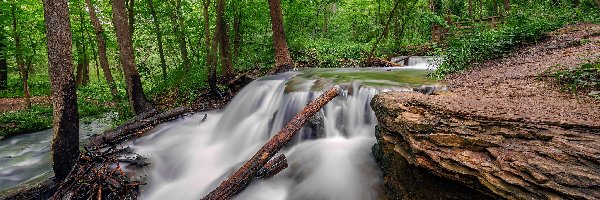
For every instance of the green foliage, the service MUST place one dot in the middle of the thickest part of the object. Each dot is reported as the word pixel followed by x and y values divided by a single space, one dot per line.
pixel 25 121
pixel 522 26
pixel 582 78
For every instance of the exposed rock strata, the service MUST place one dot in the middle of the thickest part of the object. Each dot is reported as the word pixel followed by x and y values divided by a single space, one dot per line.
pixel 500 132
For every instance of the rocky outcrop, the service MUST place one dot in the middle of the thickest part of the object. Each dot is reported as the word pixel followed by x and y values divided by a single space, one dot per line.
pixel 429 151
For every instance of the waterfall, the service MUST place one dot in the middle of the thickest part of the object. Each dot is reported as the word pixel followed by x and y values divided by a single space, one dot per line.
pixel 330 158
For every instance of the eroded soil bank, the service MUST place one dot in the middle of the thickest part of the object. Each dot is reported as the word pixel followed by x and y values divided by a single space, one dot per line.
pixel 500 131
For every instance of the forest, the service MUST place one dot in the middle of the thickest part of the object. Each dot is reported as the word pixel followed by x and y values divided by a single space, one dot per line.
pixel 64 63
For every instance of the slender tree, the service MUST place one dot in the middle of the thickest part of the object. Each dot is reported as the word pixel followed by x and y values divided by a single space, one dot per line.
pixel 210 57
pixel 19 55
pixel 283 60
pixel 158 32
pixel 65 138
pixel 133 81
pixel 223 35
pixel 506 5
pixel 101 41
pixel 3 64
pixel 178 24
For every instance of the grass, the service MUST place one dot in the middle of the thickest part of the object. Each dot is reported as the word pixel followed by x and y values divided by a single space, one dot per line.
pixel 584 78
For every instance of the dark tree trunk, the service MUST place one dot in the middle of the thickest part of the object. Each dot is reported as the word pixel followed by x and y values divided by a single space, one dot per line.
pixel 210 64
pixel 471 9
pixel 180 31
pixel 65 138
pixel 237 32
pixel 131 16
pixel 138 102
pixel 283 60
pixel 157 30
pixel 101 40
pixel 19 57
pixel 506 5
pixel 95 56
pixel 3 64
pixel 223 30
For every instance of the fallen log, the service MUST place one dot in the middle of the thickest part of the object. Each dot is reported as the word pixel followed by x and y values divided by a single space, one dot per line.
pixel 138 124
pixel 252 168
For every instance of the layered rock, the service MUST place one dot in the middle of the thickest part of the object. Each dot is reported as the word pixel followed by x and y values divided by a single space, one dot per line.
pixel 429 150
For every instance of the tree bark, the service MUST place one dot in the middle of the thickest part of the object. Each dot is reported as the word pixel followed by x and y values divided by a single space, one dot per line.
pixel 101 40
pixel 252 168
pixel 65 138
pixel 385 30
pixel 210 55
pixel 131 16
pixel 224 48
pixel 471 9
pixel 135 91
pixel 237 32
pixel 180 31
pixel 157 30
pixel 19 56
pixel 3 64
pixel 506 5
pixel 283 60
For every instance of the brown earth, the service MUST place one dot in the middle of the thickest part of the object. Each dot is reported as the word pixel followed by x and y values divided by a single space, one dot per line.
pixel 13 104
pixel 501 131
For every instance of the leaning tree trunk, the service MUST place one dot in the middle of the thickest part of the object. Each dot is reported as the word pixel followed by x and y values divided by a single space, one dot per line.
pixel 135 91
pixel 131 16
pixel 65 138
pixel 223 29
pixel 19 57
pixel 101 40
pixel 283 60
pixel 385 30
pixel 260 161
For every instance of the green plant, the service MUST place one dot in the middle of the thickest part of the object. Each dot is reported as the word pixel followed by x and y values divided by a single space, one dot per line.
pixel 582 78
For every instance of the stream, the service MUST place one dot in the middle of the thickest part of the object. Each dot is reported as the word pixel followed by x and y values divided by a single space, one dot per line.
pixel 330 158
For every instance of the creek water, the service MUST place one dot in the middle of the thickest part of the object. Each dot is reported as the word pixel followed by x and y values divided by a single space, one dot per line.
pixel 26 157
pixel 330 158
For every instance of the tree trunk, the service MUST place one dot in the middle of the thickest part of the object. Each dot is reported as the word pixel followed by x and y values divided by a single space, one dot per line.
pixel 85 79
pixel 506 5
pixel 210 64
pixel 325 17
pixel 131 16
pixel 101 40
pixel 95 54
pixel 19 57
pixel 237 34
pixel 180 31
pixel 283 60
pixel 3 64
pixel 252 168
pixel 157 30
pixel 471 9
pixel 385 30
pixel 223 30
pixel 138 102
pixel 65 138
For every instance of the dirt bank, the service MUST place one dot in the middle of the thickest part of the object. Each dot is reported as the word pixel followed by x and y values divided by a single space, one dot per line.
pixel 500 131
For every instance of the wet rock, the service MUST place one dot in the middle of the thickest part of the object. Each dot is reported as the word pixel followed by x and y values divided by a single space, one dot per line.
pixel 428 151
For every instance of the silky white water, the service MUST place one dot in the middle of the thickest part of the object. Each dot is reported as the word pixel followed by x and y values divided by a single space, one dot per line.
pixel 330 158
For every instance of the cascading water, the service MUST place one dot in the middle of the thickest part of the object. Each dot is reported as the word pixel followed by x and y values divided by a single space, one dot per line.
pixel 329 159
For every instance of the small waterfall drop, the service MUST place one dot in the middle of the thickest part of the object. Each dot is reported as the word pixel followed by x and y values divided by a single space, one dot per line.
pixel 330 158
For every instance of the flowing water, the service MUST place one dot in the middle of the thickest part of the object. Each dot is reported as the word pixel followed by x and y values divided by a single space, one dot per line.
pixel 330 158
pixel 26 157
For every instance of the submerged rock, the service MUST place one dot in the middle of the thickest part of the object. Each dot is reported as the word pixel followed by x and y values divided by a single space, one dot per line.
pixel 430 152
